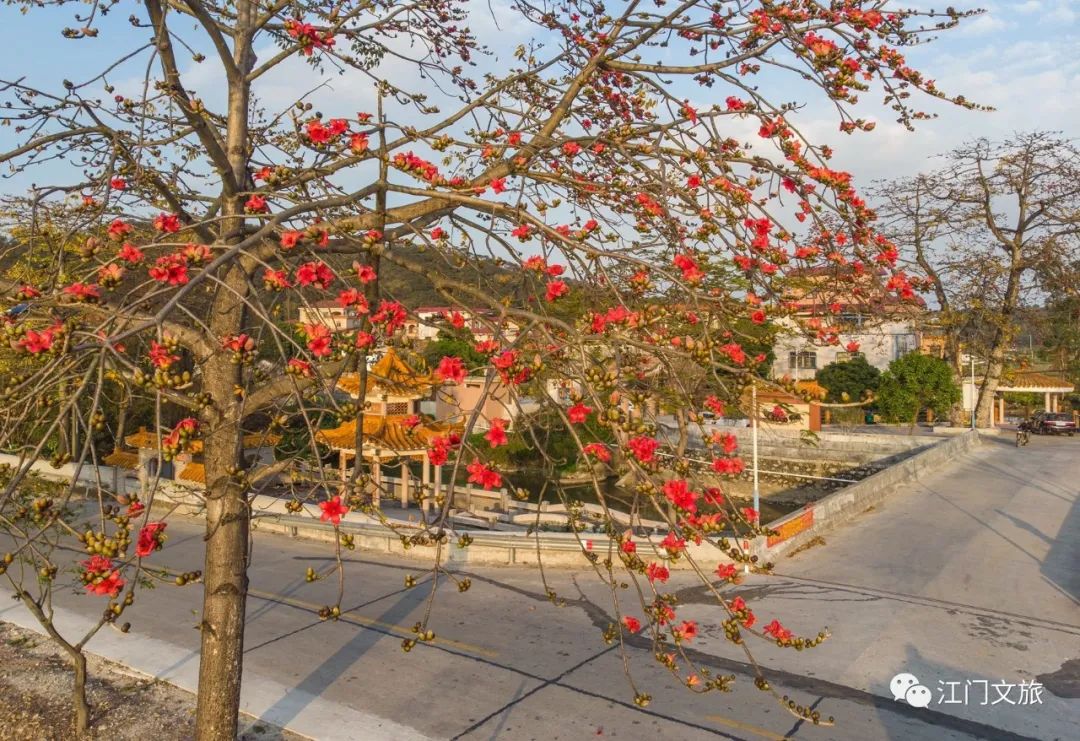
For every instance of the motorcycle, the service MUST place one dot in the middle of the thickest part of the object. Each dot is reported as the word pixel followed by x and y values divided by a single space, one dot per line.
pixel 1023 432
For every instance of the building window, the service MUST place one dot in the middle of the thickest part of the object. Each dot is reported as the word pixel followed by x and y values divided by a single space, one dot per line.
pixel 397 407
pixel 802 360
pixel 843 357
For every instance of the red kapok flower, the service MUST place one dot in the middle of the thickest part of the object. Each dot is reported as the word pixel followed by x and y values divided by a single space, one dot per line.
pixel 151 538
pixel 483 475
pixel 290 239
pixel 315 272
pixel 299 367
pixel 643 448
pixel 118 229
pixel 276 280
pixel 632 624
pixel 100 578
pixel 555 289
pixel 439 451
pixel 689 267
pixel 167 223
pixel 657 572
pixel 130 254
pixel 170 269
pixel 82 293
pixel 318 339
pixel 35 342
pixel 358 143
pixel 450 368
pixel 726 571
pixel 715 405
pixel 333 510
pixel 160 356
pixel 256 204
pixel 578 413
pixel 686 631
pixel 364 273
pixel 679 494
pixel 496 435
pixel 777 631
pixel 598 451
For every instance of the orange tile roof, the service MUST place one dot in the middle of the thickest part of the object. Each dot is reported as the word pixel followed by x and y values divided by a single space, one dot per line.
pixel 385 432
pixel 771 395
pixel 193 472
pixel 122 459
pixel 390 374
pixel 146 440
pixel 814 389
pixel 1018 379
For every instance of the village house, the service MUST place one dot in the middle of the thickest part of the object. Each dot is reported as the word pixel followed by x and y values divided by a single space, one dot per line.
pixel 871 323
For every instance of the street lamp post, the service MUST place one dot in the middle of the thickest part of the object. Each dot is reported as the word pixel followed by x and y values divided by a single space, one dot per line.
pixel 754 406
pixel 754 448
pixel 974 398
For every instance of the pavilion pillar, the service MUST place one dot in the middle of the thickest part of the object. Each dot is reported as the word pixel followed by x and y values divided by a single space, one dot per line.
pixel 341 464
pixel 1057 403
pixel 1001 409
pixel 405 483
pixel 436 485
pixel 1047 404
pixel 425 483
pixel 144 475
pixel 376 477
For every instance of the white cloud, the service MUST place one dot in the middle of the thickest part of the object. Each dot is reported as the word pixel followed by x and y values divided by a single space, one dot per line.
pixel 982 25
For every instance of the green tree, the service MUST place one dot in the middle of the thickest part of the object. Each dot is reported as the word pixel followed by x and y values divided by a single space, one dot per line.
pixel 848 380
pixel 453 343
pixel 913 383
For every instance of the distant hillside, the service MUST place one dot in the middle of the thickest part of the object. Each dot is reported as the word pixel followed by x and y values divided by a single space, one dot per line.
pixel 413 290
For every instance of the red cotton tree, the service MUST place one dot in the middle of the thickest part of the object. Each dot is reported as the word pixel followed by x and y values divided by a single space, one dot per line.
pixel 609 202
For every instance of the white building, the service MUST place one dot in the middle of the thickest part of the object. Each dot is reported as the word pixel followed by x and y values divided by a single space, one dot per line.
pixel 426 322
pixel 880 342
pixel 330 314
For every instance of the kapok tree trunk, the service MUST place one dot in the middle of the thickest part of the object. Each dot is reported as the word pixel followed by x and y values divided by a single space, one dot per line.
pixel 82 707
pixel 225 576
pixel 225 588
pixel 991 381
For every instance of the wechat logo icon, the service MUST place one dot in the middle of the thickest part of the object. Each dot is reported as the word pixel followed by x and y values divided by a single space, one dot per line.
pixel 906 687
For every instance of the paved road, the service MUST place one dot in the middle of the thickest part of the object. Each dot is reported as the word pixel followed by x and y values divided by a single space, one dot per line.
pixel 970 574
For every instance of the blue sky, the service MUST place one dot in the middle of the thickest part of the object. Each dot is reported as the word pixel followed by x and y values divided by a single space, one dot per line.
pixel 1020 57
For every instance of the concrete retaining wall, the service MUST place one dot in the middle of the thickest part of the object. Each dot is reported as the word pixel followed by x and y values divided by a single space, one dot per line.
pixel 555 549
pixel 806 523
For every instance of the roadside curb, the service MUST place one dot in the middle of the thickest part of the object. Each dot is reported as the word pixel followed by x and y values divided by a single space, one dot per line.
pixel 264 698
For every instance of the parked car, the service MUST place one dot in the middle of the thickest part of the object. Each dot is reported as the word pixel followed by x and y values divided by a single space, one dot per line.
pixel 1053 423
